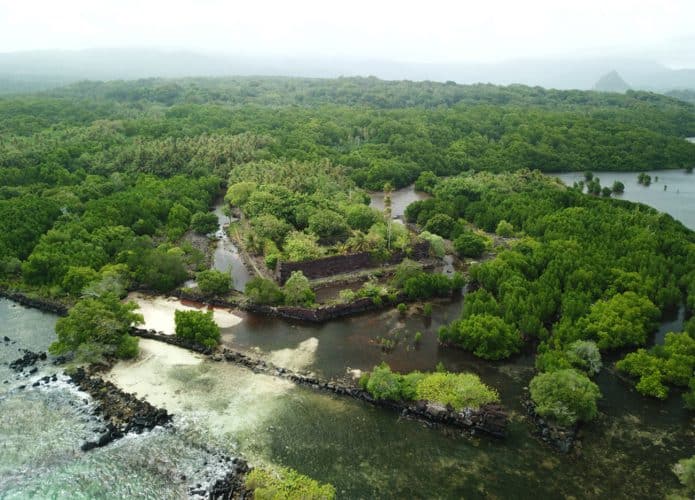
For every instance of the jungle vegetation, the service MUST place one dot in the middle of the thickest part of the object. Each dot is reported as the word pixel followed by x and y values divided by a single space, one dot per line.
pixel 102 182
pixel 586 274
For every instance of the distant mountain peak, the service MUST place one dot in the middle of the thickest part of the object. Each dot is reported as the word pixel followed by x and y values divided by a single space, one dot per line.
pixel 611 82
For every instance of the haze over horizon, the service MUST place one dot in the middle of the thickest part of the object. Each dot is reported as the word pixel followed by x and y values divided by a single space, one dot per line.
pixel 439 32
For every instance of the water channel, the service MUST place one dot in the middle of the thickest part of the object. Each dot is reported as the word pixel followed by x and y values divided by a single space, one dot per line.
pixel 364 451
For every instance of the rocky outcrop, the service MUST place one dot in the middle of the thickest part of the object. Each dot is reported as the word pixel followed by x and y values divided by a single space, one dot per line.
pixel 28 360
pixel 223 478
pixel 560 438
pixel 122 412
pixel 36 303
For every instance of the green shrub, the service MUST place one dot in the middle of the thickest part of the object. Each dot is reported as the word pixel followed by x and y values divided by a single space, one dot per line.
pixel 301 246
pixel 584 354
pixel 425 285
pixel 504 229
pixel 204 222
pixel 298 291
pixel 271 228
pixel 286 484
pixel 77 278
pixel 102 323
pixel 437 246
pixel 271 261
pixel 128 347
pixel 552 360
pixel 263 291
pixel 361 217
pixel 404 271
pixel 651 385
pixel 213 282
pixel 426 181
pixel 440 224
pixel 480 302
pixel 470 245
pixel 565 396
pixel 418 337
pixel 689 397
pixel 402 308
pixel 410 383
pixel 178 221
pixel 460 390
pixel 624 319
pixel 618 187
pixel 347 295
pixel 329 225
pixel 427 310
pixel 672 363
pixel 487 336
pixel 384 384
pixel 685 470
pixel 197 326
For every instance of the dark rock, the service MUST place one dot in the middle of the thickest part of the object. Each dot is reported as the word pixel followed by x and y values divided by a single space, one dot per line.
pixel 42 304
pixel 122 411
pixel 560 438
pixel 28 359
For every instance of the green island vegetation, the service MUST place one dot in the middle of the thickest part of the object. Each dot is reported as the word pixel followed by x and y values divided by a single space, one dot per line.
pixel 297 211
pixel 585 274
pixel 102 173
pixel 672 363
pixel 97 328
pixel 286 484
pixel 460 390
pixel 197 326
pixel 104 187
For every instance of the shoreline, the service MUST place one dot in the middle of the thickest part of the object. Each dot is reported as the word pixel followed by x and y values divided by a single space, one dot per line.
pixel 120 413
pixel 492 420
pixel 489 419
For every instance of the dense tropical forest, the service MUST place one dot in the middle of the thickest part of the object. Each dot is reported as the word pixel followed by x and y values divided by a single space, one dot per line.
pixel 69 155
pixel 100 183
pixel 585 274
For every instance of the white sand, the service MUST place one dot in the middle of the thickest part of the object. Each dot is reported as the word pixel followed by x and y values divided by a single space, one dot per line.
pixel 296 359
pixel 144 376
pixel 223 397
pixel 159 313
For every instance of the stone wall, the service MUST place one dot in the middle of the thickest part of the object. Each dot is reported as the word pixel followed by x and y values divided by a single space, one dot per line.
pixel 36 303
pixel 489 419
pixel 327 266
pixel 319 314
pixel 339 264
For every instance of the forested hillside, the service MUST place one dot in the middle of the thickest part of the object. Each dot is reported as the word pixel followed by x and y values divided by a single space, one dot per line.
pixel 104 173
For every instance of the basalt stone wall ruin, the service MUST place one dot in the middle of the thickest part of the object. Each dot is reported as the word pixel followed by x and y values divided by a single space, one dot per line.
pixel 339 264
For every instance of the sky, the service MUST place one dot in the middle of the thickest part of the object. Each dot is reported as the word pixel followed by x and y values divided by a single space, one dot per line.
pixel 410 31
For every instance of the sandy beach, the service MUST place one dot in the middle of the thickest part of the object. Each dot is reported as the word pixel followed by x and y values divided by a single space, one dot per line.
pixel 159 312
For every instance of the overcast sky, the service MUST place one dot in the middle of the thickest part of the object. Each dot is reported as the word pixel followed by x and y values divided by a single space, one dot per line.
pixel 422 31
